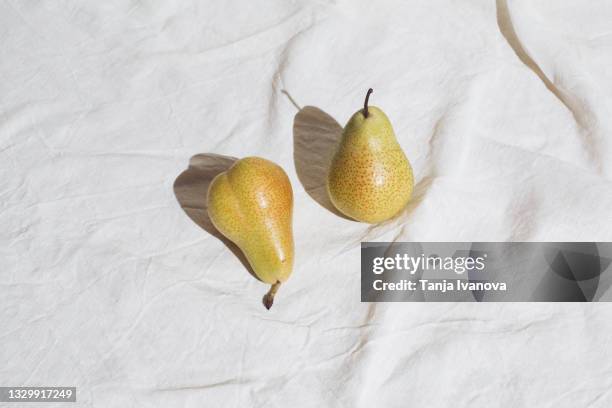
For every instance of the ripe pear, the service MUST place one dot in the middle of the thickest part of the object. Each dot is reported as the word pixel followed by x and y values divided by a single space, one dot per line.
pixel 370 178
pixel 252 205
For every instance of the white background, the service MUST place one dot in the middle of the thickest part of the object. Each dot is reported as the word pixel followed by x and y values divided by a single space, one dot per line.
pixel 107 284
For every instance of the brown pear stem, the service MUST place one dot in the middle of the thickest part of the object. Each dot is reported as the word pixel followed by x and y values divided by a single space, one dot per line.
pixel 268 299
pixel 365 104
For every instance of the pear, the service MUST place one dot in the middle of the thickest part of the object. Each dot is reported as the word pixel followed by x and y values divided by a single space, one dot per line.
pixel 370 178
pixel 252 205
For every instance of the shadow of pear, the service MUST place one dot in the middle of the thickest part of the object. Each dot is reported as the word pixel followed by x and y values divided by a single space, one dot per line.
pixel 191 190
pixel 316 136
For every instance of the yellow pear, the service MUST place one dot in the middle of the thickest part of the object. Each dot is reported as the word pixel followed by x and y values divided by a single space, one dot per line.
pixel 252 205
pixel 370 178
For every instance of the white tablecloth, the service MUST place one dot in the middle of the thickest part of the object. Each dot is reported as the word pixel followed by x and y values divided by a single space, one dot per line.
pixel 113 281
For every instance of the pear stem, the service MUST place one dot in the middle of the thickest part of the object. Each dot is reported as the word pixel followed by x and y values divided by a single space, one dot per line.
pixel 268 299
pixel 365 104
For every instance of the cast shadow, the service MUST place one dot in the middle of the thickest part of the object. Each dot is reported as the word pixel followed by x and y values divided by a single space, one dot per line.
pixel 191 188
pixel 316 136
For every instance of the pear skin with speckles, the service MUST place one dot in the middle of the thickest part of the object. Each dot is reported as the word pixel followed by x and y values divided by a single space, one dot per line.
pixel 370 179
pixel 252 205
